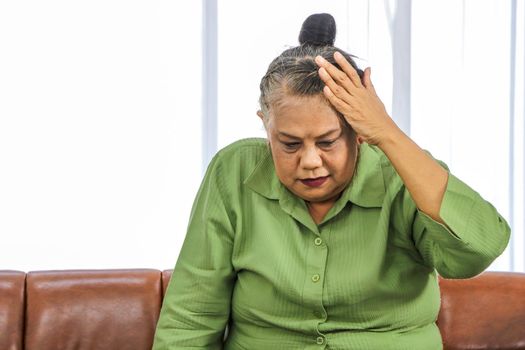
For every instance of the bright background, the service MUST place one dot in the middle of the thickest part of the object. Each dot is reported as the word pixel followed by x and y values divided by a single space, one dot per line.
pixel 110 110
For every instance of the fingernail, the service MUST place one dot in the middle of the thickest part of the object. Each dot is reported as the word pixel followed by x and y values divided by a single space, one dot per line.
pixel 319 59
pixel 337 54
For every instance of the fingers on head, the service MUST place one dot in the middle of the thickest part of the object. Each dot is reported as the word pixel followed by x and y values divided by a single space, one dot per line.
pixel 348 69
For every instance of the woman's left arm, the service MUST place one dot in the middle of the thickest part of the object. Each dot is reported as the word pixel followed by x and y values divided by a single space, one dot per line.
pixel 424 178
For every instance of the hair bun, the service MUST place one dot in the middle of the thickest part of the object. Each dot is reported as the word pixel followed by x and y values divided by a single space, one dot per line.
pixel 318 29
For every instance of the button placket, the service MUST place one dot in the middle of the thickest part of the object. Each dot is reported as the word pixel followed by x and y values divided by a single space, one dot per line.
pixel 316 262
pixel 316 259
pixel 318 314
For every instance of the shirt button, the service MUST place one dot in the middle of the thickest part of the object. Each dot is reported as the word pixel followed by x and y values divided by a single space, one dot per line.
pixel 318 241
pixel 320 340
pixel 318 314
pixel 316 277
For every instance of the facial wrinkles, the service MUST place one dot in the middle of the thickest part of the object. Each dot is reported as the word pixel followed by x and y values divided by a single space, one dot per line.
pixel 314 161
pixel 300 118
pixel 306 120
pixel 290 122
pixel 310 160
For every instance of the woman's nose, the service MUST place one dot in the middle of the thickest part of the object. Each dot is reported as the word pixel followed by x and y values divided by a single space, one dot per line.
pixel 311 159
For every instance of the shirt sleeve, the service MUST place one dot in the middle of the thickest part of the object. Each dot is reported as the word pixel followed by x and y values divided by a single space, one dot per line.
pixel 475 234
pixel 196 306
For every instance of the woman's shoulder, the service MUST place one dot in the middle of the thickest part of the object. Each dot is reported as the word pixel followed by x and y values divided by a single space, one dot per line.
pixel 238 159
pixel 247 145
pixel 389 172
pixel 396 192
pixel 377 158
pixel 242 151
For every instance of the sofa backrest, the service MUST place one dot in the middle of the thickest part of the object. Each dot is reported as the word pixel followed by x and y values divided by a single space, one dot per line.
pixel 118 309
pixel 79 309
pixel 12 289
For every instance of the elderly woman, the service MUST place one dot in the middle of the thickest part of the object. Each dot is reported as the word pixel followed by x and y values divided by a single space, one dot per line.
pixel 330 233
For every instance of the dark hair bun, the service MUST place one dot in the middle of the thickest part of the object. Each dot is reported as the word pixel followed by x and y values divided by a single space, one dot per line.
pixel 318 29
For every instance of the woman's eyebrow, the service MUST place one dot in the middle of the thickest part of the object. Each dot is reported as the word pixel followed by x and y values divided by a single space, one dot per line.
pixel 282 133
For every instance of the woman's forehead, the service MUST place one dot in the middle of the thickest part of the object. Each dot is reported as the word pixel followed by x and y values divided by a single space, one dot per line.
pixel 304 116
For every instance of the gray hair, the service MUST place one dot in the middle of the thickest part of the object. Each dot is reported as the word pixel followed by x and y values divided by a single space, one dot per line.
pixel 295 73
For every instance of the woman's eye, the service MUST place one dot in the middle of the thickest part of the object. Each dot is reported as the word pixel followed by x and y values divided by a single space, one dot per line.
pixel 291 145
pixel 326 143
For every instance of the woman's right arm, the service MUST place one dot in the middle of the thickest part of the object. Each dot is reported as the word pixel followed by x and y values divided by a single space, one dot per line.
pixel 196 307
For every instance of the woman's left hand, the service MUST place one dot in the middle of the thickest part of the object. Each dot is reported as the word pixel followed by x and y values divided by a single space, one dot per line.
pixel 356 100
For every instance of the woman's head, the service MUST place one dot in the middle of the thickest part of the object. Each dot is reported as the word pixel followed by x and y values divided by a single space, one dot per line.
pixel 308 137
pixel 294 72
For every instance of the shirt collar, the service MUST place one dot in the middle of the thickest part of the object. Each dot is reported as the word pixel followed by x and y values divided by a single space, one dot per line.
pixel 367 188
pixel 263 178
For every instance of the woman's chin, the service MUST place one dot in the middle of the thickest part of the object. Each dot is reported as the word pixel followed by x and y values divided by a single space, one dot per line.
pixel 318 196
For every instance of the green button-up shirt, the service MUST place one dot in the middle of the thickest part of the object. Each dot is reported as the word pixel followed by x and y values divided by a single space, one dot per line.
pixel 364 278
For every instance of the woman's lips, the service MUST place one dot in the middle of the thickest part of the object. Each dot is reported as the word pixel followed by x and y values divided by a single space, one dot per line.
pixel 315 182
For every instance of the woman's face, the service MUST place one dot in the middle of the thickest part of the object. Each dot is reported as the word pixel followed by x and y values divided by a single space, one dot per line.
pixel 314 155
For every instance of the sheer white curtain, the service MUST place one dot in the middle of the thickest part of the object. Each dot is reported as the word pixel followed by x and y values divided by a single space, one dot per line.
pixel 467 100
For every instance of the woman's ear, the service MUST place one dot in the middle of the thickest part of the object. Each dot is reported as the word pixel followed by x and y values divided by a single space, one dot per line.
pixel 264 120
pixel 359 140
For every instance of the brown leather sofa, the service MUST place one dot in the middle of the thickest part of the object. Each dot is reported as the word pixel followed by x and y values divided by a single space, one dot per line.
pixel 118 310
